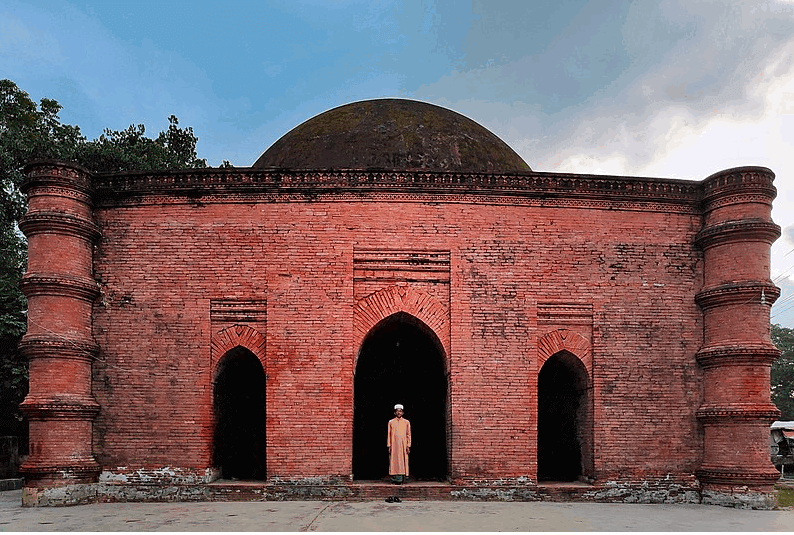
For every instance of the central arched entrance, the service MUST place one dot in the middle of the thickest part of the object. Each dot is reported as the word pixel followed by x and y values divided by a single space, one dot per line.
pixel 564 437
pixel 239 403
pixel 401 361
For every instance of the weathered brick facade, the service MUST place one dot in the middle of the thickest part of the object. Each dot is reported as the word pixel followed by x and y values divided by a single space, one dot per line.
pixel 653 294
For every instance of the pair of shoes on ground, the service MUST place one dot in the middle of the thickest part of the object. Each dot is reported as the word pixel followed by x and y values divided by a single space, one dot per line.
pixel 393 499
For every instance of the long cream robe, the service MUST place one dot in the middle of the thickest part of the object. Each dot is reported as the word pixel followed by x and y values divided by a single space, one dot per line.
pixel 399 440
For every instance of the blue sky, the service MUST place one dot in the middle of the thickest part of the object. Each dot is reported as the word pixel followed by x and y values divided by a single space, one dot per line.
pixel 679 88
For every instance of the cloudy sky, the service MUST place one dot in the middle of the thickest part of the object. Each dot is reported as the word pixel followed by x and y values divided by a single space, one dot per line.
pixel 678 89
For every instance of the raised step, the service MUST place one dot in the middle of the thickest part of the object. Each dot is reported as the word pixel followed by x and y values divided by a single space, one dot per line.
pixel 11 484
pixel 226 490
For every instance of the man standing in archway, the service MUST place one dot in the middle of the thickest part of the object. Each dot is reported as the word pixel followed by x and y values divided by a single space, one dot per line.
pixel 399 444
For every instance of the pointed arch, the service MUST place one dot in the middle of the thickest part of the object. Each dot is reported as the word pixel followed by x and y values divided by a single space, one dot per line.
pixel 401 360
pixel 565 340
pixel 565 407
pixel 238 395
pixel 237 336
pixel 374 308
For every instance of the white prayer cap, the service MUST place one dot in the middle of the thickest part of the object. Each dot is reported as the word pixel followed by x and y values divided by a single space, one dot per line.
pixel 398 406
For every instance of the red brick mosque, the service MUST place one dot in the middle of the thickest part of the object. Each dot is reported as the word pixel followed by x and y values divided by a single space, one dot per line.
pixel 551 335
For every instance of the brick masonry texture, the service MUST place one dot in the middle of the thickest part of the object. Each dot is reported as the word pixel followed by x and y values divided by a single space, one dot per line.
pixel 189 266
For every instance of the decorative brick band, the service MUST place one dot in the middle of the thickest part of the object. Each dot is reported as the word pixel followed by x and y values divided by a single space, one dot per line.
pixel 564 312
pixel 58 346
pixel 61 408
pixel 403 265
pixel 341 195
pixel 737 293
pixel 747 354
pixel 732 476
pixel 737 412
pixel 33 284
pixel 72 471
pixel 738 231
pixel 235 310
pixel 59 223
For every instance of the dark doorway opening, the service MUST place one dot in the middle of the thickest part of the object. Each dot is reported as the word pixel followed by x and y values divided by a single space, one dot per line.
pixel 563 415
pixel 401 361
pixel 239 402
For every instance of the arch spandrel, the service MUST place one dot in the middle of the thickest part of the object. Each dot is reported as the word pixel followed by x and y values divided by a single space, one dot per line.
pixel 372 309
pixel 565 340
pixel 237 336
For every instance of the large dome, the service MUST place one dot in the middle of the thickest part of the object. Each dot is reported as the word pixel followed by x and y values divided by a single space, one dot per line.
pixel 392 134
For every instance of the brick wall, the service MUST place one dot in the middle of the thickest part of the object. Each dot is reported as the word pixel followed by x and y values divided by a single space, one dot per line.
pixel 621 280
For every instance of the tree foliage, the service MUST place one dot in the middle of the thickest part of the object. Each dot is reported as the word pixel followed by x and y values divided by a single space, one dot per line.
pixel 30 131
pixel 131 150
pixel 782 376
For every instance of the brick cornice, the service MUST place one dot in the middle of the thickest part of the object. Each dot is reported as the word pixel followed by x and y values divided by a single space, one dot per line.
pixel 48 173
pixel 34 284
pixel 737 293
pixel 116 188
pixel 740 184
pixel 58 222
pixel 738 231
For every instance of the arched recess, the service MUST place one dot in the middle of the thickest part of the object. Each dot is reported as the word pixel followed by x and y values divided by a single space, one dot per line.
pixel 239 404
pixel 401 360
pixel 565 407
pixel 372 309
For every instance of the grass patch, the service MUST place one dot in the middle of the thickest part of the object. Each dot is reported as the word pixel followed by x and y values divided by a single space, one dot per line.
pixel 785 498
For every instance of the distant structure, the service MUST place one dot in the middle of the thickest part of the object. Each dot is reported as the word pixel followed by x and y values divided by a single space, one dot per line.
pixel 782 445
pixel 188 329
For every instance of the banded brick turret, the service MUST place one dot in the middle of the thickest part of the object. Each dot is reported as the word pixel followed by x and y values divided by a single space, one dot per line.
pixel 60 289
pixel 737 352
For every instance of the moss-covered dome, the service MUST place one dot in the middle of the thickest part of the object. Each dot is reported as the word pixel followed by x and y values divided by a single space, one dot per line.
pixel 392 134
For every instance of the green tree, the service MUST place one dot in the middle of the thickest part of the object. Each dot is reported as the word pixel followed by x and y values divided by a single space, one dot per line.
pixel 13 368
pixel 131 150
pixel 30 131
pixel 782 376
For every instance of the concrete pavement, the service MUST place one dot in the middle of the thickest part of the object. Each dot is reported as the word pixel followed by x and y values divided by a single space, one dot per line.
pixel 381 516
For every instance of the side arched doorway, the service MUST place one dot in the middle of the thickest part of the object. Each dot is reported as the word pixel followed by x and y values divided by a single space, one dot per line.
pixel 564 419
pixel 239 406
pixel 401 361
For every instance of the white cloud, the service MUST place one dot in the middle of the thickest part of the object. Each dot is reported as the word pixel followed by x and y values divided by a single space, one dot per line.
pixel 682 143
pixel 677 141
pixel 720 97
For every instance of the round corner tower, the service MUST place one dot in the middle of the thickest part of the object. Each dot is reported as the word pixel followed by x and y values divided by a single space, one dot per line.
pixel 59 345
pixel 737 352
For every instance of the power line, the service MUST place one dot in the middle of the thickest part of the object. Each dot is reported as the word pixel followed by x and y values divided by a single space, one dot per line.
pixel 783 273
pixel 782 311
